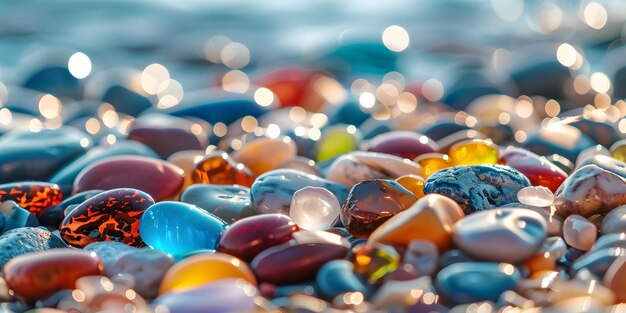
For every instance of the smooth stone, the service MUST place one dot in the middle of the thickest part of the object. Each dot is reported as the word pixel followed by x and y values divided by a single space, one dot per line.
pixel 591 152
pixel 561 162
pixel 597 261
pixel 473 282
pixel 590 190
pixel 186 160
pixel 400 295
pixel 167 134
pixel 176 227
pixel 607 163
pixel 226 295
pixel 473 152
pixel 40 274
pixel 250 236
pixel 441 129
pixel 615 277
pixel 65 176
pixel 31 239
pixel 555 221
pixel 579 233
pixel 228 202
pixel 37 155
pixel 541 76
pixel 504 235
pixel 555 246
pixel 53 216
pixel 218 168
pixel 615 221
pixel 371 203
pixel 562 139
pixel 538 170
pixel 618 150
pixel 214 108
pixel 302 257
pixel 413 183
pixel 617 240
pixel 109 251
pixel 431 218
pixel 349 112
pixel 423 255
pixel 477 187
pixel 14 217
pixel 272 191
pixel 446 143
pixel 563 290
pixel 337 277
pixel 125 100
pixel 56 80
pixel 32 196
pixel 404 144
pixel 257 157
pixel 201 269
pixel 432 162
pixel 294 86
pixel 357 166
pixel 374 261
pixel 336 140
pixel 536 196
pixel 303 164
pixel 314 208
pixel 108 216
pixel 160 179
pixel 101 294
pixel 598 130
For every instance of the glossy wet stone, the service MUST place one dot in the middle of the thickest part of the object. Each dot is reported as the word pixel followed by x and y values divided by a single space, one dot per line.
pixel 403 295
pixel 431 218
pixel 255 154
pixel 108 216
pixel 176 227
pixel 579 233
pixel 14 216
pixel 32 196
pixel 615 277
pixel 251 235
pixel 215 108
pixel 432 162
pixel 591 152
pixel 477 187
pixel 125 100
pixel 374 261
pixel 503 235
pixel 473 282
pixel 99 293
pixel 607 163
pixel 186 160
pixel 219 169
pixel 314 208
pixel 357 166
pixel 597 261
pixel 413 183
pixel 614 221
pixel 54 79
pixel 293 86
pixel 539 170
pixel 562 139
pixel 536 196
pixel 38 275
pixel 337 277
pixel 618 150
pixel 31 239
pixel 371 203
pixel 590 190
pixel 472 152
pixel 160 179
pixel 226 295
pixel 67 174
pixel 423 255
pixel 303 164
pixel 200 269
pixel 302 257
pixel 228 202
pixel 53 216
pixel 167 134
pixel 37 155
pixel 336 141
pixel 272 191
pixel 403 144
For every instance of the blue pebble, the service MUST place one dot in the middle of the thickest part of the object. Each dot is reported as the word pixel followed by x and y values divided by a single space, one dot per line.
pixel 337 277
pixel 475 282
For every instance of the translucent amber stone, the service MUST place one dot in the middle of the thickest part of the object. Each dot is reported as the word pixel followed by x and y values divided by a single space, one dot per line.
pixel 374 260
pixel 473 152
pixel 413 183
pixel 618 150
pixel 432 162
pixel 218 168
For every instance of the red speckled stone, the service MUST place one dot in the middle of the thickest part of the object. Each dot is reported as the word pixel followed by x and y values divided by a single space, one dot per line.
pixel 294 87
pixel 109 216
pixel 404 144
pixel 38 275
pixel 371 203
pixel 539 171
pixel 32 196
pixel 160 179
pixel 218 168
pixel 296 260
pixel 249 236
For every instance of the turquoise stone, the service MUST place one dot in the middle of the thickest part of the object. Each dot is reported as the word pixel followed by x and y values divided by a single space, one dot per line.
pixel 337 277
pixel 474 282
pixel 176 227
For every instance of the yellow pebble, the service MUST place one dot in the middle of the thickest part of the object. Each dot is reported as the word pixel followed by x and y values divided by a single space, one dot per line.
pixel 618 150
pixel 472 152
pixel 204 268
pixel 413 183
pixel 432 162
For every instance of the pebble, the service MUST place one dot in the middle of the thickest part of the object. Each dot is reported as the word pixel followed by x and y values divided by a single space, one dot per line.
pixel 402 295
pixel 218 168
pixel 579 233
pixel 614 278
pixel 432 162
pixel 214 108
pixel 502 235
pixel 272 191
pixel 228 202
pixel 374 261
pixel 303 164
pixel 38 275
pixel 607 163
pixel 337 277
pixel 561 138
pixel 431 218
pixel 335 141
pixel 477 187
pixel 31 239
pixel 176 227
pixel 423 255
pixel 226 295
pixel 473 282
pixel 355 167
pixel 14 217
pixel 615 221
pixel 413 183
pixel 254 154
pixel 538 170
pixel 108 216
pixel 35 197
pixel 473 152
pixel 536 196
pixel 314 208
pixel 201 269
pixel 618 150
pixel 404 144
pixel 160 179
pixel 54 215
pixel 186 160
pixel 250 236
pixel 371 203
pixel 293 86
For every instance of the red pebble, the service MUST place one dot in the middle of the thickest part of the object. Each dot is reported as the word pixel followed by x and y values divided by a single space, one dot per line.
pixel 539 171
pixel 32 196
pixel 404 144
pixel 294 87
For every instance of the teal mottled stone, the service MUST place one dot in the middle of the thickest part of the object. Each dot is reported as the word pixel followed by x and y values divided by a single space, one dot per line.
pixel 337 277
pixel 475 282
